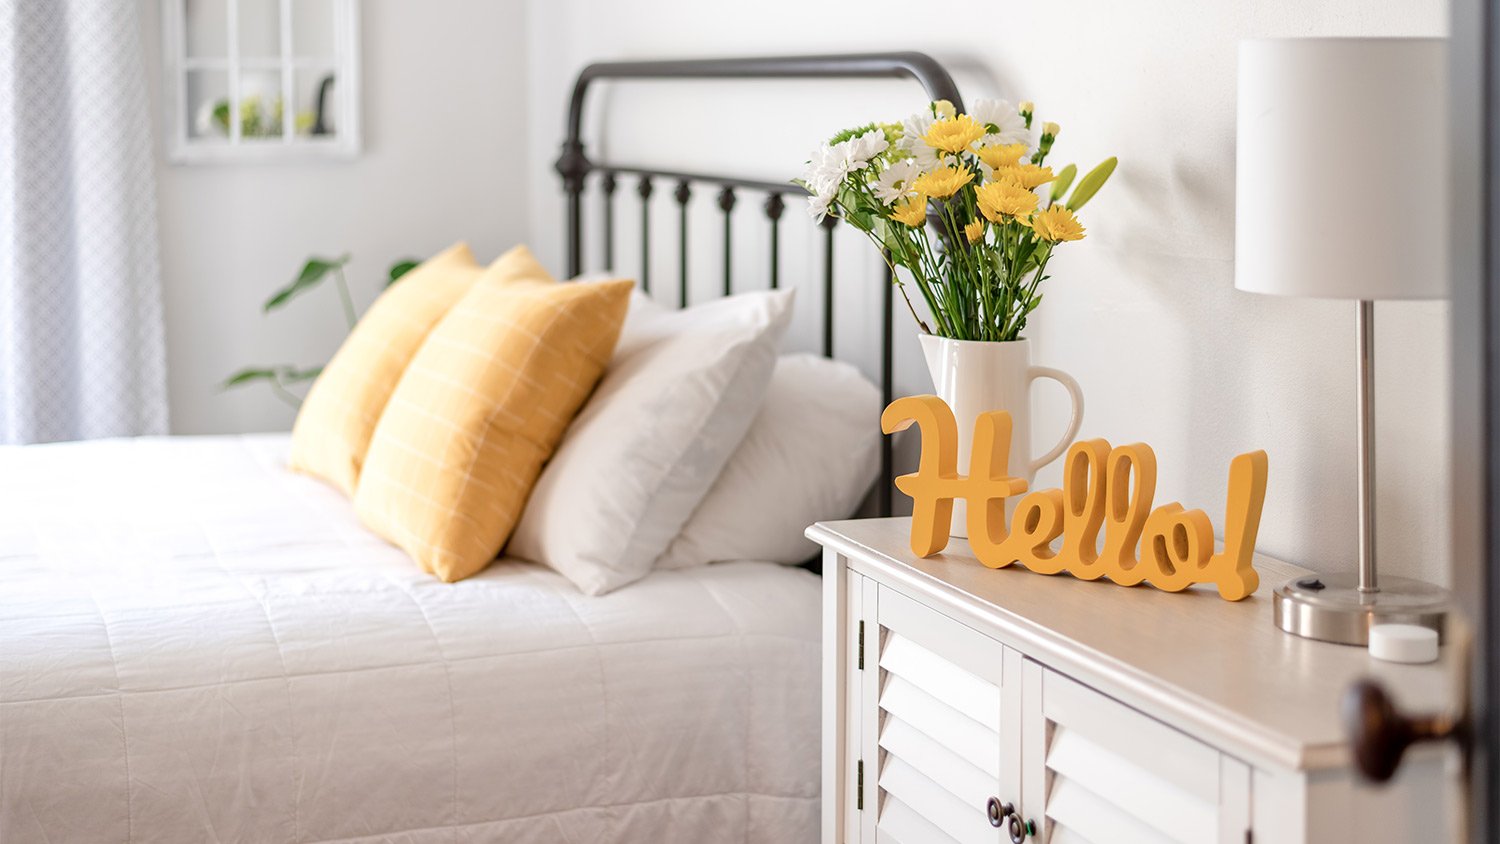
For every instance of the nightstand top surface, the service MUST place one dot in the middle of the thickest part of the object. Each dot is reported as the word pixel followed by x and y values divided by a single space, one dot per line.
pixel 1219 670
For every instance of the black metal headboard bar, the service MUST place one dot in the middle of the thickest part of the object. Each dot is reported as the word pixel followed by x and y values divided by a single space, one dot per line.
pixel 575 168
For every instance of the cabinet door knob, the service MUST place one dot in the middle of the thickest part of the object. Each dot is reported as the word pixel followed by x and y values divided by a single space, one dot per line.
pixel 1380 734
pixel 1019 829
pixel 998 811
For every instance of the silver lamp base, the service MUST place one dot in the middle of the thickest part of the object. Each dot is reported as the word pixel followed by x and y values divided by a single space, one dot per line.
pixel 1332 609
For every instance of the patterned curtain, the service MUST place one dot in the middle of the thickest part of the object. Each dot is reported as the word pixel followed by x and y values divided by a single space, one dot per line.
pixel 82 352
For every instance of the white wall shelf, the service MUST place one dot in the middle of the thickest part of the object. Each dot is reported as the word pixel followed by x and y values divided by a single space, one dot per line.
pixel 288 69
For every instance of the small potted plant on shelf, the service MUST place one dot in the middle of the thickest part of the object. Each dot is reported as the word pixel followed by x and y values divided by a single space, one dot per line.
pixel 968 207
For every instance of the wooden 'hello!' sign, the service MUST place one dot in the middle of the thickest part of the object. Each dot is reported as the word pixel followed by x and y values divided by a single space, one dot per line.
pixel 1104 488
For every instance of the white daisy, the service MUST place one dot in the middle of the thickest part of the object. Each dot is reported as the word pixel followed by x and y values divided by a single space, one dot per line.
pixel 894 182
pixel 1005 116
pixel 817 205
pixel 829 165
pixel 913 129
pixel 825 169
pixel 865 147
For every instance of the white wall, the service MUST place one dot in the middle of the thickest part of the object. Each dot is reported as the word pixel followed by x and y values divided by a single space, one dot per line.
pixel 444 150
pixel 1143 312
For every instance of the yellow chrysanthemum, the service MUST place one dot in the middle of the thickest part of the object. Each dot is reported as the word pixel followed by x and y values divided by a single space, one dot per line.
pixel 1028 176
pixel 1006 155
pixel 911 211
pixel 954 134
pixel 1056 223
pixel 944 109
pixel 943 182
pixel 1001 200
pixel 974 231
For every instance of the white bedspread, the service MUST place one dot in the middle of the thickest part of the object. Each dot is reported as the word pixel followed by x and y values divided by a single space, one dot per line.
pixel 196 645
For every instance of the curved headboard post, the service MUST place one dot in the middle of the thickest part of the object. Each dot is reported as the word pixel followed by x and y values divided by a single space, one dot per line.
pixel 574 166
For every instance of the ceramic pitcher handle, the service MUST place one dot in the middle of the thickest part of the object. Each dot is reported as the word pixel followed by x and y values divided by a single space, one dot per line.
pixel 1074 392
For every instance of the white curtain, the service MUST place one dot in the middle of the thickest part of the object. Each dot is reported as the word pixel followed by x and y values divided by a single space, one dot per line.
pixel 81 340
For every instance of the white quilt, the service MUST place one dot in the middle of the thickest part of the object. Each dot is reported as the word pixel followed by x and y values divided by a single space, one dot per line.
pixel 197 645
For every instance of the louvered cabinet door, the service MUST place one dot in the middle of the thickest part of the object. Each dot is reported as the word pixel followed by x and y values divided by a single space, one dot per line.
pixel 941 726
pixel 1095 771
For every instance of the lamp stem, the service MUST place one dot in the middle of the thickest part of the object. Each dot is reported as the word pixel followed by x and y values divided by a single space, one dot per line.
pixel 1364 394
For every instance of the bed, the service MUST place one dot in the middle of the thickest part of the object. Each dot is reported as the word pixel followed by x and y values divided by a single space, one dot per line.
pixel 197 644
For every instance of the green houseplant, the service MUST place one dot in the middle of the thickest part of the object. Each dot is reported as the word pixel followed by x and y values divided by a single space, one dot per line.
pixel 283 379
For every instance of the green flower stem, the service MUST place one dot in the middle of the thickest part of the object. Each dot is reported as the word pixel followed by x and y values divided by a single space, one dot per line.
pixel 895 275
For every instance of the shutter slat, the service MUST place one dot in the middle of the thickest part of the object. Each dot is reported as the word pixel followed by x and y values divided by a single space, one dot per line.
pixel 1090 817
pixel 902 824
pixel 975 697
pixel 940 764
pixel 1063 835
pixel 1149 744
pixel 947 726
pixel 1128 786
pixel 964 823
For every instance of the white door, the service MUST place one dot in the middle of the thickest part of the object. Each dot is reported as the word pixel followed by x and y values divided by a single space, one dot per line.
pixel 940 726
pixel 1097 771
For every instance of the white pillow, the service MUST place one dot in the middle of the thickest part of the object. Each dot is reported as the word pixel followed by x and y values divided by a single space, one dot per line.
pixel 811 454
pixel 673 405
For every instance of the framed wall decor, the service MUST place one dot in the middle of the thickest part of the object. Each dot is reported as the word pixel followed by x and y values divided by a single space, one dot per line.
pixel 259 80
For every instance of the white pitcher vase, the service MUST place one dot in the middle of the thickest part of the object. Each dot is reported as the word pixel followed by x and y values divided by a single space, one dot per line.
pixel 975 376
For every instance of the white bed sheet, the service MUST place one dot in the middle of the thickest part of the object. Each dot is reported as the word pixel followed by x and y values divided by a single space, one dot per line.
pixel 197 645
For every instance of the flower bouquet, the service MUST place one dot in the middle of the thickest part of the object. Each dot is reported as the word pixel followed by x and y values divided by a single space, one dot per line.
pixel 954 200
pixel 976 177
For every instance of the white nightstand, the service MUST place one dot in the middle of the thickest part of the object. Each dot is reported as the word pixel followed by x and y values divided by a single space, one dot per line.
pixel 1101 714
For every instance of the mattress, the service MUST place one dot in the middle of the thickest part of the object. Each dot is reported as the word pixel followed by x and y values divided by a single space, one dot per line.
pixel 197 645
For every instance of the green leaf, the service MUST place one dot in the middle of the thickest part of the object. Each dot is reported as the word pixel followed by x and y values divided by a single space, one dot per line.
pixel 1090 184
pixel 247 376
pixel 221 115
pixel 401 268
pixel 313 272
pixel 291 375
pixel 1063 181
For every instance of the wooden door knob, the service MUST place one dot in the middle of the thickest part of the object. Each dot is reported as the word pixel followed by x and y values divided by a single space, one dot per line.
pixel 1380 734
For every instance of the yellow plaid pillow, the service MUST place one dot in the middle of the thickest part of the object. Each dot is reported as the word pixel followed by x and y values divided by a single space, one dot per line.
pixel 479 410
pixel 334 426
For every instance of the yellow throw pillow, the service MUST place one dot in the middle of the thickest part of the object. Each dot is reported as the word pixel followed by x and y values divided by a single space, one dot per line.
pixel 334 426
pixel 478 412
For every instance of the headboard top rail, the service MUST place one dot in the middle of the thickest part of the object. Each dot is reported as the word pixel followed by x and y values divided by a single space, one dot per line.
pixel 574 165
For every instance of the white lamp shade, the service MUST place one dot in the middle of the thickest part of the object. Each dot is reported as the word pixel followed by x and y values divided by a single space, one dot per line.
pixel 1342 177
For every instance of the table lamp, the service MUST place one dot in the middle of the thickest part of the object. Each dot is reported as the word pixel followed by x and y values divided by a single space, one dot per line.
pixel 1341 192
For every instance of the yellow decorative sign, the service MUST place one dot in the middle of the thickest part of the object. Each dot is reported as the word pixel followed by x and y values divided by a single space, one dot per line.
pixel 1104 488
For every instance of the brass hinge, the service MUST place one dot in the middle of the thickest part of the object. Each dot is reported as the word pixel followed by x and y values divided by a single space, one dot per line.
pixel 859 788
pixel 861 646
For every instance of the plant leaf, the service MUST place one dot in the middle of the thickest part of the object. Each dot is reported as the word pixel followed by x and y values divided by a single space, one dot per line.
pixel 1063 181
pixel 292 375
pixel 313 272
pixel 246 376
pixel 400 268
pixel 221 115
pixel 1090 184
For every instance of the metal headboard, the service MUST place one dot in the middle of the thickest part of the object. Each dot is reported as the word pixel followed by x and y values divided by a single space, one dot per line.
pixel 575 168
